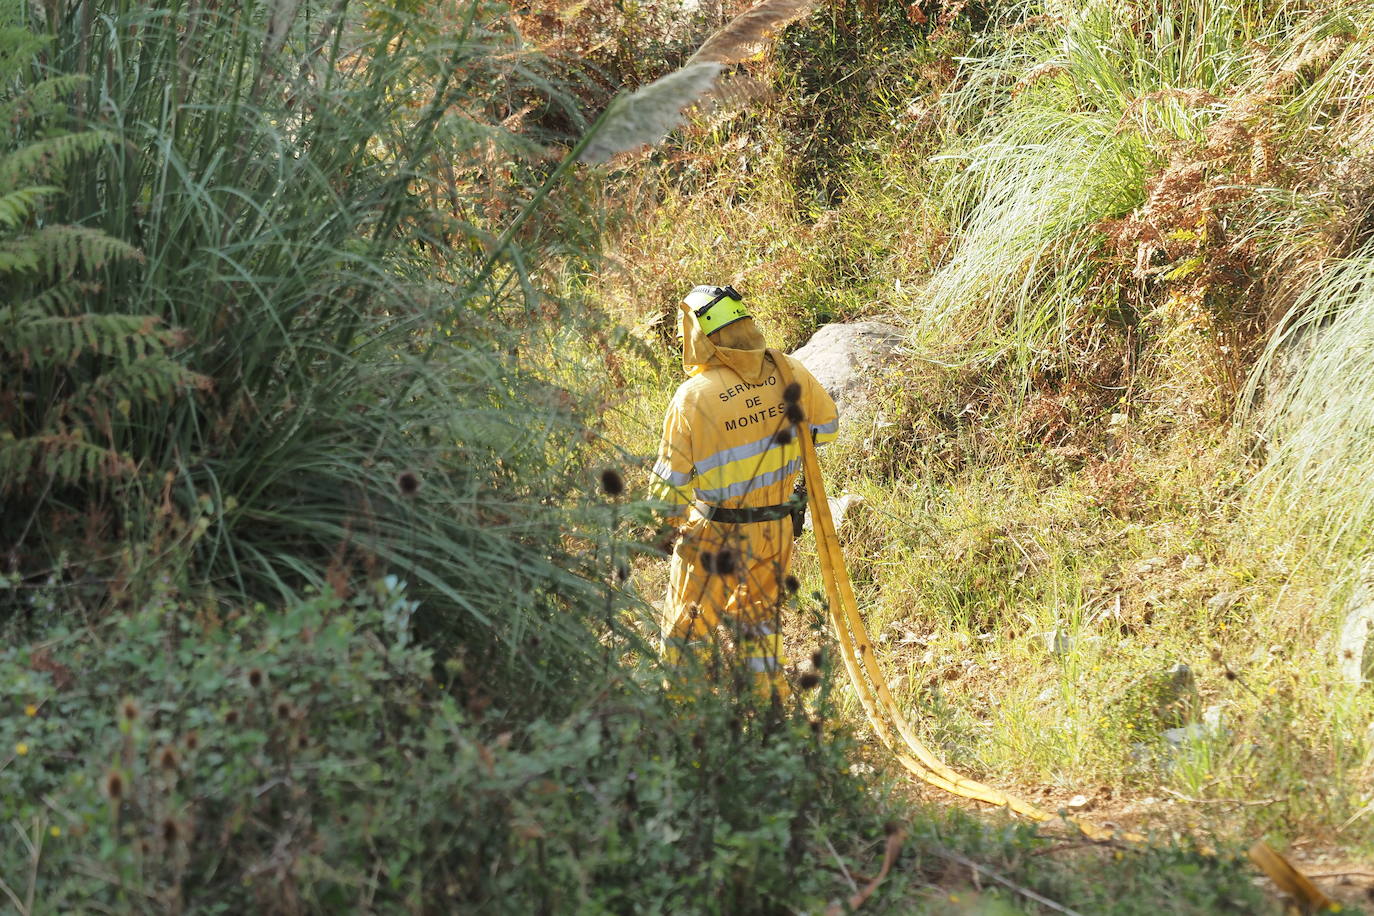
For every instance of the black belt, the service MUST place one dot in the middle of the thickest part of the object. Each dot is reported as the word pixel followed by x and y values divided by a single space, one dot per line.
pixel 749 515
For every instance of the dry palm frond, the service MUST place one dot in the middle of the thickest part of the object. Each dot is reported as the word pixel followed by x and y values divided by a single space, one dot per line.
pixel 748 34
pixel 650 112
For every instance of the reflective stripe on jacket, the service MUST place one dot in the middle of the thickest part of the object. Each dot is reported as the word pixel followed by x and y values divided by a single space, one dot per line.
pixel 729 443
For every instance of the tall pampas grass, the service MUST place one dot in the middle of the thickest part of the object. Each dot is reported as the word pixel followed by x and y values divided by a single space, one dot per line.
pixel 1319 417
pixel 352 343
pixel 647 115
pixel 749 33
pixel 1053 131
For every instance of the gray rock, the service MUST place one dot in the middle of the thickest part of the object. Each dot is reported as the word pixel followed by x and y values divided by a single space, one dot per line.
pixel 840 506
pixel 1177 737
pixel 1057 642
pixel 1354 647
pixel 845 357
pixel 1142 752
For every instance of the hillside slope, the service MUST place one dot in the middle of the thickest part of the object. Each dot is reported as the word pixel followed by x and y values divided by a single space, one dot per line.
pixel 1131 246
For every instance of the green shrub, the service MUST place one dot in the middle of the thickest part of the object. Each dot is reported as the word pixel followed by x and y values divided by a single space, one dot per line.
pixel 306 760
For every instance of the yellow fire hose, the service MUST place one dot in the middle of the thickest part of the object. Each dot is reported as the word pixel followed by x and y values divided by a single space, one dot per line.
pixel 891 725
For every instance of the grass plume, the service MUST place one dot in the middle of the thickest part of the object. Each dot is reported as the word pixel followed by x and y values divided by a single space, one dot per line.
pixel 650 113
pixel 751 32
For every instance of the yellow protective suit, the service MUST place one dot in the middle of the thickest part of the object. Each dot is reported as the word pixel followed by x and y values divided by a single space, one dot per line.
pixel 727 442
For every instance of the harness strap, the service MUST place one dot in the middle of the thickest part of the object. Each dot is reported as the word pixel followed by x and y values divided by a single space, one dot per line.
pixel 746 516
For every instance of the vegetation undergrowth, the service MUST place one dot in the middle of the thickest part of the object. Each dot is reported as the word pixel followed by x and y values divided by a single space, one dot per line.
pixel 317 758
pixel 1114 532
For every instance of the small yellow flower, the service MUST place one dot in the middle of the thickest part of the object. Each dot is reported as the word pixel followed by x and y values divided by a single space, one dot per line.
pixel 21 749
pixel 953 898
pixel 30 710
pixel 54 831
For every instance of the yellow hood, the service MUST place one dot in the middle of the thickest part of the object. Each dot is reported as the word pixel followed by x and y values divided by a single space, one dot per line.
pixel 738 345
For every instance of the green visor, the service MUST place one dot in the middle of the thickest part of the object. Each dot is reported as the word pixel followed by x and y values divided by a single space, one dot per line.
pixel 716 306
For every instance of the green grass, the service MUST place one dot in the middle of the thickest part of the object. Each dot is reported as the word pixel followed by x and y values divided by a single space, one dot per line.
pixel 1055 129
pixel 1025 625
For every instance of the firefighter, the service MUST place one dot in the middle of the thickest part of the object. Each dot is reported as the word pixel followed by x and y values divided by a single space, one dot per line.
pixel 727 463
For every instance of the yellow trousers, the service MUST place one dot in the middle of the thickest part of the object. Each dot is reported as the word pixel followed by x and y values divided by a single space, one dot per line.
pixel 730 574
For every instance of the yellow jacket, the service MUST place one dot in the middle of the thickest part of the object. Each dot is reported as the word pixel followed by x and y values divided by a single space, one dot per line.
pixel 726 438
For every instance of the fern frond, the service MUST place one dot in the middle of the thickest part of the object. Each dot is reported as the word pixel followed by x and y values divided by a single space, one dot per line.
pixel 62 251
pixel 61 298
pixel 40 101
pixel 45 158
pixel 155 378
pixel 65 457
pixel 19 46
pixel 17 206
pixel 19 257
pixel 36 339
pixel 46 95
